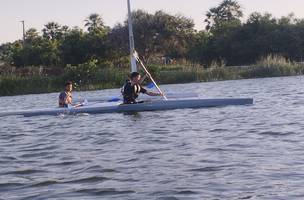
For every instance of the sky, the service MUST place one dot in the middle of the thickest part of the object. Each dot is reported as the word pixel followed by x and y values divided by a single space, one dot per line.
pixel 36 13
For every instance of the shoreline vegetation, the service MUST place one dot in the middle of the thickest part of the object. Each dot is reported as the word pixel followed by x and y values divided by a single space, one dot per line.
pixel 97 57
pixel 89 76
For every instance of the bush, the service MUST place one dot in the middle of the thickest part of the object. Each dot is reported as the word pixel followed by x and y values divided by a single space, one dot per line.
pixel 82 73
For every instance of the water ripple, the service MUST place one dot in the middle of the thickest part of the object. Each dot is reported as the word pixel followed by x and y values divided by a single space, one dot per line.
pixel 103 192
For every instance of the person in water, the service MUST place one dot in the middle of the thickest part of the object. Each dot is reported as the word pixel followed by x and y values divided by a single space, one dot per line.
pixel 132 88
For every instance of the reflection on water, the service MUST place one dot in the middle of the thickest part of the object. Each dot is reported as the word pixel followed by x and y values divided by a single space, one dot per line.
pixel 235 152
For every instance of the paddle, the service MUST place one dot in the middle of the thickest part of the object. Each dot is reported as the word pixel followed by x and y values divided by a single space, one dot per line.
pixel 135 54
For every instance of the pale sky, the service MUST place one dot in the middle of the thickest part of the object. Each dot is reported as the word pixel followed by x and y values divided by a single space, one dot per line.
pixel 36 13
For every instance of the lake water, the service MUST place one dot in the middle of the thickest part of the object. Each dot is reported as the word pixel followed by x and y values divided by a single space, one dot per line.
pixel 234 152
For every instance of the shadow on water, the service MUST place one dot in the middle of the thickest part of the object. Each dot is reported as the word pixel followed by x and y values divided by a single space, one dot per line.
pixel 134 115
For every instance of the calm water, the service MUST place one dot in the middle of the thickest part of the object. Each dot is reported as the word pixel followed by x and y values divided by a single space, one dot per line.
pixel 235 152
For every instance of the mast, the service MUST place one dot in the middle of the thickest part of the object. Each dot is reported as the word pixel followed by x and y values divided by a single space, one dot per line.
pixel 23 31
pixel 131 40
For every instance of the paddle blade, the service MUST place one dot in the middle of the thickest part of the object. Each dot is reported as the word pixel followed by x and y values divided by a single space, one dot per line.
pixel 151 85
pixel 115 99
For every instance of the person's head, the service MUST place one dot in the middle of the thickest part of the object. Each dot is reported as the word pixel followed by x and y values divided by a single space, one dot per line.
pixel 135 77
pixel 68 86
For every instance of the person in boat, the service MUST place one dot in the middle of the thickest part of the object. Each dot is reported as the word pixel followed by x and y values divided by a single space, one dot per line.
pixel 65 97
pixel 132 88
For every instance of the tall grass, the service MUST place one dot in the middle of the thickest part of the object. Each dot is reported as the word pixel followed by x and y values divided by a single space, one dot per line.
pixel 17 85
pixel 269 66
pixel 14 85
pixel 273 66
pixel 198 74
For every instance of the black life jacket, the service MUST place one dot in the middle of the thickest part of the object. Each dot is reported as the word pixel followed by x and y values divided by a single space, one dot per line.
pixel 129 92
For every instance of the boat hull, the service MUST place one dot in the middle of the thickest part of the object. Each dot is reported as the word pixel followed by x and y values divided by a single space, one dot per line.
pixel 115 107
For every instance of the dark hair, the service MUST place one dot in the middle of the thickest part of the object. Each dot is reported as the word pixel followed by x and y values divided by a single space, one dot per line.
pixel 68 83
pixel 134 74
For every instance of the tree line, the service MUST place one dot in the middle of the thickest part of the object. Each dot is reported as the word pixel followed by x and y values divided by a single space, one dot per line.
pixel 158 36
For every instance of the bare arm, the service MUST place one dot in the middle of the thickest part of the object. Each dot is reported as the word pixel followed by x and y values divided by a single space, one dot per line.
pixel 154 94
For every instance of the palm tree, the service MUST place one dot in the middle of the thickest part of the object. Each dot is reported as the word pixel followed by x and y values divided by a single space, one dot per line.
pixel 52 31
pixel 31 34
pixel 94 22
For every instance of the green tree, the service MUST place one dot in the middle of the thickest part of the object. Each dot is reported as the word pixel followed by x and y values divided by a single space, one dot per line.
pixel 175 32
pixel 228 12
pixel 158 34
pixel 73 48
pixel 36 51
pixel 53 31
pixel 199 52
pixel 96 45
pixel 31 34
pixel 14 53
pixel 94 23
pixel 6 53
pixel 82 73
pixel 118 46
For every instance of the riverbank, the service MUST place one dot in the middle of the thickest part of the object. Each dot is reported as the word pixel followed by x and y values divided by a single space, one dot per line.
pixel 89 77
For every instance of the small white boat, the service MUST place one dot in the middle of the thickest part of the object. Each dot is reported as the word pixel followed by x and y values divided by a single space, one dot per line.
pixel 117 107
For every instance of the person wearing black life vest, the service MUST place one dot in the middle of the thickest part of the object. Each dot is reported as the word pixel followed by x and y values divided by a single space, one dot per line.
pixel 132 88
